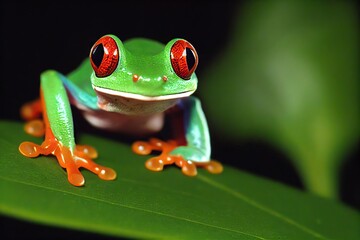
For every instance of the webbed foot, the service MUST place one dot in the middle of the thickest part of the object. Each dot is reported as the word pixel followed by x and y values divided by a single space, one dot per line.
pixel 80 157
pixel 157 163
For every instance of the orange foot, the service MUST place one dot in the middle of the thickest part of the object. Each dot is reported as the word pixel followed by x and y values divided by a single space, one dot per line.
pixel 188 167
pixel 81 157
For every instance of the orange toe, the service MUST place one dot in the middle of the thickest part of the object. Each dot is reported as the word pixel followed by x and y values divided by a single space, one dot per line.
pixel 189 168
pixel 35 128
pixel 213 167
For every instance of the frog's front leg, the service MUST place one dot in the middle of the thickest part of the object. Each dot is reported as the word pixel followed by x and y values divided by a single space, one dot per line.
pixel 59 134
pixel 195 153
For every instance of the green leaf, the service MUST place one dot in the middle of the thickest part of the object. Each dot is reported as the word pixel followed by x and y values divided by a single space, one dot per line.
pixel 290 74
pixel 144 204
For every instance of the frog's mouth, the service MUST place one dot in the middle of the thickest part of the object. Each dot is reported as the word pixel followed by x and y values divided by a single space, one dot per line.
pixel 135 104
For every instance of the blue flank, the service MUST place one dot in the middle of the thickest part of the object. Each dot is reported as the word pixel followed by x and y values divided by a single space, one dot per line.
pixel 80 95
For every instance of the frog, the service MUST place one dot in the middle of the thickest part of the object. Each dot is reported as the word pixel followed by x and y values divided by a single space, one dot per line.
pixel 129 88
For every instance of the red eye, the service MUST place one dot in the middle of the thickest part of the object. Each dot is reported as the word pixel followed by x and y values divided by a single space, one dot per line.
pixel 104 56
pixel 184 59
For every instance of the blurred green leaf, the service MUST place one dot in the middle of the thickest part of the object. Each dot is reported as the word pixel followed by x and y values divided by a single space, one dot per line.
pixel 144 204
pixel 290 76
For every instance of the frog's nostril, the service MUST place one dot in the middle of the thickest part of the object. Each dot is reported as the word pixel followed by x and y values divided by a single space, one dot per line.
pixel 136 77
pixel 164 78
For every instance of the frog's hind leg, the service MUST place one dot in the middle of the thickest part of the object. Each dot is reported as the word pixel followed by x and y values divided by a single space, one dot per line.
pixel 59 134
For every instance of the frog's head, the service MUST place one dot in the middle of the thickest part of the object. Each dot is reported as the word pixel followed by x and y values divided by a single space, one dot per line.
pixel 142 76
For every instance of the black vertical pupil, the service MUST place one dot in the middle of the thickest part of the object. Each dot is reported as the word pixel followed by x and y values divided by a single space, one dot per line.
pixel 97 54
pixel 190 58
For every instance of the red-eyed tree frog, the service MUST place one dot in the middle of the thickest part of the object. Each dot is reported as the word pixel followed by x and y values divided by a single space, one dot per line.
pixel 126 87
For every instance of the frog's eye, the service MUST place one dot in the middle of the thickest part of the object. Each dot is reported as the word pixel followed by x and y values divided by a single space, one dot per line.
pixel 184 59
pixel 104 56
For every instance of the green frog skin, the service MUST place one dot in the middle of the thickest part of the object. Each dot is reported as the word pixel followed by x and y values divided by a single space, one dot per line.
pixel 127 88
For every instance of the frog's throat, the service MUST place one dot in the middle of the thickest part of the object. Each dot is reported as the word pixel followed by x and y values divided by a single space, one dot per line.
pixel 142 97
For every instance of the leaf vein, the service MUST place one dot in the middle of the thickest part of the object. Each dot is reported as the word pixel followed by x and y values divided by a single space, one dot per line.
pixel 260 206
pixel 135 208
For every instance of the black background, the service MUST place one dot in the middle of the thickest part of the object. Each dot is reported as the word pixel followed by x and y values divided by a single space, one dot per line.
pixel 59 35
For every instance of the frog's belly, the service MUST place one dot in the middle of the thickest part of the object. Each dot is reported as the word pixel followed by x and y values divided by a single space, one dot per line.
pixel 133 125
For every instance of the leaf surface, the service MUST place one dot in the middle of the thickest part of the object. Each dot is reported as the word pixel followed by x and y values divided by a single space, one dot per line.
pixel 289 76
pixel 144 204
